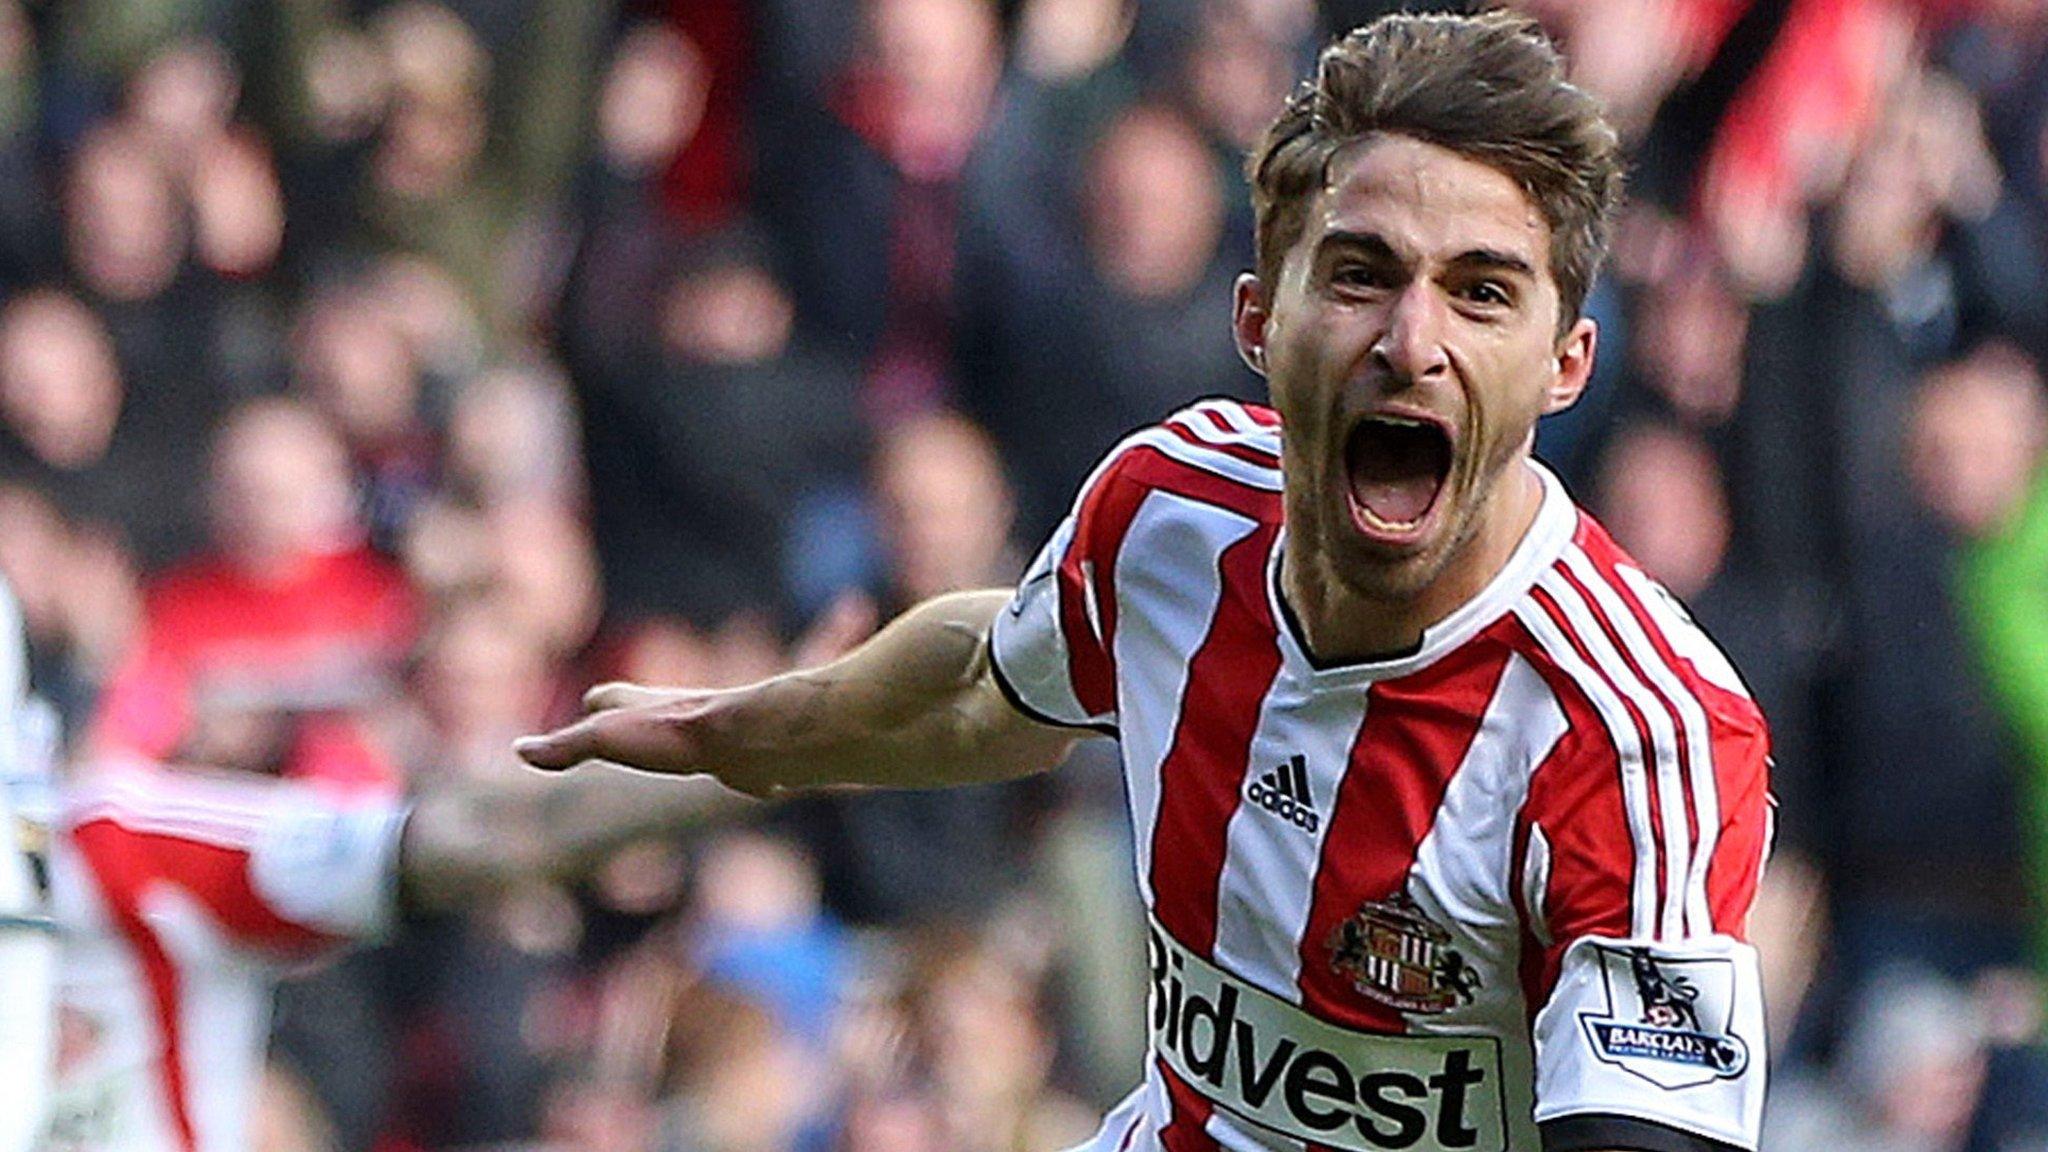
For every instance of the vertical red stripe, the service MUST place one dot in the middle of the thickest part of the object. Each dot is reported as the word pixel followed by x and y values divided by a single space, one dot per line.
pixel 1417 731
pixel 1575 795
pixel 1683 753
pixel 118 876
pixel 1549 604
pixel 1203 773
pixel 123 864
pixel 1740 746
pixel 1187 1129
pixel 1100 525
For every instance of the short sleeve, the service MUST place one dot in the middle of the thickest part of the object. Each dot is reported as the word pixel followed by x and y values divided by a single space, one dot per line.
pixel 1050 648
pixel 333 870
pixel 280 870
pixel 1650 999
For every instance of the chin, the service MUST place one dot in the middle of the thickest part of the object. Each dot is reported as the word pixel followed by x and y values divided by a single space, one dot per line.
pixel 1372 571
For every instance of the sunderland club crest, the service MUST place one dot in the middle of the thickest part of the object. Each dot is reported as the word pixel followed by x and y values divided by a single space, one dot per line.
pixel 1397 955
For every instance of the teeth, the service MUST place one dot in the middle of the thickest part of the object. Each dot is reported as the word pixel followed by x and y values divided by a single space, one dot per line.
pixel 1392 525
pixel 1399 421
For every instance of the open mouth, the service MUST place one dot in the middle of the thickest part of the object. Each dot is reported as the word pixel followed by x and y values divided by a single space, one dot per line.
pixel 1396 467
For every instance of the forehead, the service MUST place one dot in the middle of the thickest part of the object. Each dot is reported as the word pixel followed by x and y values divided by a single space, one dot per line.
pixel 1427 202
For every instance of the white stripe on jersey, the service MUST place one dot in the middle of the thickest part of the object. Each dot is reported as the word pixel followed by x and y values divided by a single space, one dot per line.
pixel 1233 413
pixel 184 805
pixel 1536 885
pixel 1231 1135
pixel 1243 429
pixel 1268 885
pixel 1221 463
pixel 1045 678
pixel 1155 649
pixel 1628 747
pixel 223 1006
pixel 1663 751
pixel 1464 865
pixel 1699 745
pixel 1470 847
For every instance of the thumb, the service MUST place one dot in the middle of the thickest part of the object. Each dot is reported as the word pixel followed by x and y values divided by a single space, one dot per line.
pixel 619 694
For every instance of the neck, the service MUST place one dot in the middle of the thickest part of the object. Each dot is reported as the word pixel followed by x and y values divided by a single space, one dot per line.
pixel 1342 625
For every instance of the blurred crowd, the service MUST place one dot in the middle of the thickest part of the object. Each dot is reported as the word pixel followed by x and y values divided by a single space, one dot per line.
pixel 374 376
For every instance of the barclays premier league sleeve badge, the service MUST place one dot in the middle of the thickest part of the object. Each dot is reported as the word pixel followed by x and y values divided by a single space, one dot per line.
pixel 1668 1020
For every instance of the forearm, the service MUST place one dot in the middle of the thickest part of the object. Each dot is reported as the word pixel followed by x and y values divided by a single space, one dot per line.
pixel 466 841
pixel 916 706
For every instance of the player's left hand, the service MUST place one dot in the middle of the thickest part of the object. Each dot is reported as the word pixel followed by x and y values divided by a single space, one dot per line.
pixel 651 729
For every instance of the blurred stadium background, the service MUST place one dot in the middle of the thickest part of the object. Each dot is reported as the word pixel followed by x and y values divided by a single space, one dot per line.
pixel 374 376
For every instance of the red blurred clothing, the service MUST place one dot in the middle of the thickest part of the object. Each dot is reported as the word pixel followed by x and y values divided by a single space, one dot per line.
pixel 317 643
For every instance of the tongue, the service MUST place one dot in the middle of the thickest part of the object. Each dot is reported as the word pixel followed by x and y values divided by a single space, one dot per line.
pixel 1395 473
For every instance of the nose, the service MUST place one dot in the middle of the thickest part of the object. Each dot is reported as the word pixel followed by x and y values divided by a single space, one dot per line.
pixel 1412 348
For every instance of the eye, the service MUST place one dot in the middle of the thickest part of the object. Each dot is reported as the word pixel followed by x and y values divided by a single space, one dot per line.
pixel 1357 276
pixel 1490 293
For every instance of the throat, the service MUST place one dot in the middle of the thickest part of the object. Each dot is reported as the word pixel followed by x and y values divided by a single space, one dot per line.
pixel 1337 627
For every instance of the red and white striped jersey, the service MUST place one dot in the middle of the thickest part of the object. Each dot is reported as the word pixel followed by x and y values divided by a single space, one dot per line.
pixel 1492 888
pixel 182 899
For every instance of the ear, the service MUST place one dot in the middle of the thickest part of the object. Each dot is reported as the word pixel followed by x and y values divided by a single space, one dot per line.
pixel 1248 317
pixel 1572 366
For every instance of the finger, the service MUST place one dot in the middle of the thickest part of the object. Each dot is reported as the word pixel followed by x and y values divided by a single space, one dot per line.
pixel 620 694
pixel 563 748
pixel 659 738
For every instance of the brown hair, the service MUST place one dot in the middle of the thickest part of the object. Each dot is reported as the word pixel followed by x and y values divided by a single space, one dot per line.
pixel 1489 87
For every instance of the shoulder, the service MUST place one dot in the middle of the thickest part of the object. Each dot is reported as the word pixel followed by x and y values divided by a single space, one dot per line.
pixel 1216 452
pixel 1624 650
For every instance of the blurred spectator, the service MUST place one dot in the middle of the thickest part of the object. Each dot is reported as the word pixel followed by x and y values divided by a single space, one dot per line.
pixel 1124 329
pixel 350 360
pixel 79 598
pixel 279 635
pixel 1928 802
pixel 700 447
pixel 757 924
pixel 980 1046
pixel 1908 1079
pixel 74 428
pixel 944 514
pixel 452 176
pixel 868 190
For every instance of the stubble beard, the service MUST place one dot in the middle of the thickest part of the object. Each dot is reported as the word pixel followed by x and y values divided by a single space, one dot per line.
pixel 1344 563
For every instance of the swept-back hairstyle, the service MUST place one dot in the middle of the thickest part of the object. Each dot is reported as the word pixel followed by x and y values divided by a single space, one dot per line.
pixel 1489 87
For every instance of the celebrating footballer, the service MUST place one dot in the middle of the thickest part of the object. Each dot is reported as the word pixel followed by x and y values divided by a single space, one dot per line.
pixel 1448 820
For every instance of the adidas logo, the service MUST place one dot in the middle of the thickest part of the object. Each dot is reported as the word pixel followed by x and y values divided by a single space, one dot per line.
pixel 1284 792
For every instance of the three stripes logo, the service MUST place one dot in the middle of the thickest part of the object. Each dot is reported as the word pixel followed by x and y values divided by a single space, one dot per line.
pixel 1284 792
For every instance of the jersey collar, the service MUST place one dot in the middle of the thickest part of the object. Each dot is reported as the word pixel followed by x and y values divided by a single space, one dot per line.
pixel 1556 521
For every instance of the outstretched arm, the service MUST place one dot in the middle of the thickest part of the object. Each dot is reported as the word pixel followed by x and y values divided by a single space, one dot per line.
pixel 467 840
pixel 916 706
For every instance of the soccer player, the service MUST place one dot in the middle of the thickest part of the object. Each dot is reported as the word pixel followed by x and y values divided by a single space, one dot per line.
pixel 182 897
pixel 1448 819
pixel 28 942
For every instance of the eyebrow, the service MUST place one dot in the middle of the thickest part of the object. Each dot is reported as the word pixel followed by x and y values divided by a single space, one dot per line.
pixel 1373 244
pixel 1493 258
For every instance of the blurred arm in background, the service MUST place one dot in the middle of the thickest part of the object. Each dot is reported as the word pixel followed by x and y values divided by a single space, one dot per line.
pixel 467 841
